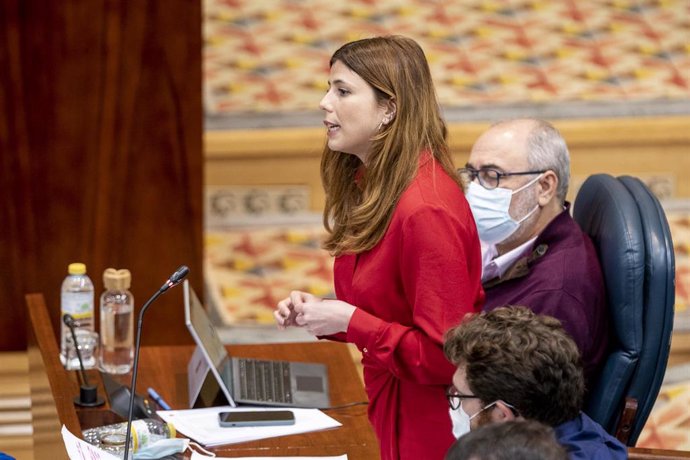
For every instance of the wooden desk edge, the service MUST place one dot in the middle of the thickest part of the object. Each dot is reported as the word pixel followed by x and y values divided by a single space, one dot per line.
pixel 41 335
pixel 640 453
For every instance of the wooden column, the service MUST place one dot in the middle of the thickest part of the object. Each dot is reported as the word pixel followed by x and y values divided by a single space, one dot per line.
pixel 100 152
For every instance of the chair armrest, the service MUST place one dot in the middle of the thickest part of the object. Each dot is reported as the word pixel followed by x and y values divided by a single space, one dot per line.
pixel 626 421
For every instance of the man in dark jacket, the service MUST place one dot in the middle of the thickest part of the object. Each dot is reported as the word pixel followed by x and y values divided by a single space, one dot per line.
pixel 513 364
pixel 533 252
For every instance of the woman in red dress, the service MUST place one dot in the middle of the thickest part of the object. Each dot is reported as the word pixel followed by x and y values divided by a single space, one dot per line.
pixel 407 256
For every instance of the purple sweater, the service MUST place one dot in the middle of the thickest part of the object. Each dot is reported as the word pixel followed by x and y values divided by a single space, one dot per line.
pixel 560 278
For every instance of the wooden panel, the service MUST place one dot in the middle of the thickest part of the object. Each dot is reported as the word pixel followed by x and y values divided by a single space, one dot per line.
pixel 638 146
pixel 16 218
pixel 100 116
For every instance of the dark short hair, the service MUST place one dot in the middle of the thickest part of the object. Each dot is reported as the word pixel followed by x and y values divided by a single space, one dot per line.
pixel 513 440
pixel 527 360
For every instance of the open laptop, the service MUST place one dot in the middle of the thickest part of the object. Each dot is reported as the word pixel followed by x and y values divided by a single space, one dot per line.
pixel 251 381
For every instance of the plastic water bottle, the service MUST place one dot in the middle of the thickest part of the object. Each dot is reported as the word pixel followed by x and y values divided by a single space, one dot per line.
pixel 77 299
pixel 145 432
pixel 117 323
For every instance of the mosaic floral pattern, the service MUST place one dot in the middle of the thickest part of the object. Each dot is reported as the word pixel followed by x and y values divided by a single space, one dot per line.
pixel 668 425
pixel 679 222
pixel 272 55
pixel 249 269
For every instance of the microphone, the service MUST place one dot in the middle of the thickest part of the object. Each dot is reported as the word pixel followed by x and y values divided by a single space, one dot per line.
pixel 174 280
pixel 88 394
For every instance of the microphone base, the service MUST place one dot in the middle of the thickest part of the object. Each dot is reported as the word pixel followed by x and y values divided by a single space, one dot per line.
pixel 98 402
pixel 88 397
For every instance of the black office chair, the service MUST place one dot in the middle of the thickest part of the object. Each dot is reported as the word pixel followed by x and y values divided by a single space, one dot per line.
pixel 632 238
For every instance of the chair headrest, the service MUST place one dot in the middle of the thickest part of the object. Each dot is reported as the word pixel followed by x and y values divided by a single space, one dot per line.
pixel 607 212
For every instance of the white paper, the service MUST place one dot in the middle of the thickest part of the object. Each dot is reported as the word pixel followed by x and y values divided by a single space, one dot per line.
pixel 197 456
pixel 202 424
pixel 82 450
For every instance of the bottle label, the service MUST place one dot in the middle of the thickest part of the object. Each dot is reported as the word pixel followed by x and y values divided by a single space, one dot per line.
pixel 81 306
pixel 142 435
pixel 78 304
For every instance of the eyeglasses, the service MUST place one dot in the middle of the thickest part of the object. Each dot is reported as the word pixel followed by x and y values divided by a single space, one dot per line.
pixel 455 399
pixel 489 178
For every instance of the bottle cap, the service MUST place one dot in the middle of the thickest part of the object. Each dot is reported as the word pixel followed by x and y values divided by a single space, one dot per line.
pixel 76 268
pixel 171 428
pixel 117 280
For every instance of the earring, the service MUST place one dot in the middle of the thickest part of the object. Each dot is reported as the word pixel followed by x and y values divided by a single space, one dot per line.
pixel 384 121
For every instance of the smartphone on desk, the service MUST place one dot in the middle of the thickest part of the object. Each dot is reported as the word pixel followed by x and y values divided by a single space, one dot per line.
pixel 256 418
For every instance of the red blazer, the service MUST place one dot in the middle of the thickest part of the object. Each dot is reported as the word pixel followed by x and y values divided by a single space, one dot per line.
pixel 417 282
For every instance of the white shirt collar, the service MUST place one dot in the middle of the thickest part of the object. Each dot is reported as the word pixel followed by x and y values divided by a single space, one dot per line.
pixel 493 267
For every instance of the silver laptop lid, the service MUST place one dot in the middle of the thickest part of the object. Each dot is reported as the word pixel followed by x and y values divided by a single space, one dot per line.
pixel 205 335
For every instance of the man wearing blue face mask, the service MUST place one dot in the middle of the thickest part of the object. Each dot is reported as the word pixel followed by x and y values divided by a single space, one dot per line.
pixel 512 364
pixel 533 252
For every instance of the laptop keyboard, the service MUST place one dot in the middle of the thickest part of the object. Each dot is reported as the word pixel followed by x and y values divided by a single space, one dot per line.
pixel 262 380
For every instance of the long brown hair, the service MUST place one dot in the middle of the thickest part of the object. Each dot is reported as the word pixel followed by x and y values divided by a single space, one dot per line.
pixel 358 210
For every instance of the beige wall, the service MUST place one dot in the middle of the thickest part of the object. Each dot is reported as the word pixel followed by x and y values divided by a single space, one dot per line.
pixel 654 149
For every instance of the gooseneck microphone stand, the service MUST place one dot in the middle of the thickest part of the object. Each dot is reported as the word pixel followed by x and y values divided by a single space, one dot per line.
pixel 174 280
pixel 88 394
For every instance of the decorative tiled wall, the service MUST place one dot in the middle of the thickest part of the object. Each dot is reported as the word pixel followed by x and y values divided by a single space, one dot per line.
pixel 271 56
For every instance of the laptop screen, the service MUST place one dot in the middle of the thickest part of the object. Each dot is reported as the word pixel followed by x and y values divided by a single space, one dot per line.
pixel 196 317
pixel 311 389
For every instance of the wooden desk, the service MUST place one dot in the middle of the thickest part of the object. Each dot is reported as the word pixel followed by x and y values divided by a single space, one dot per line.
pixel 164 368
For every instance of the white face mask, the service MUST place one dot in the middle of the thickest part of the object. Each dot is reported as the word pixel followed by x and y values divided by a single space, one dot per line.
pixel 461 421
pixel 490 209
pixel 166 447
